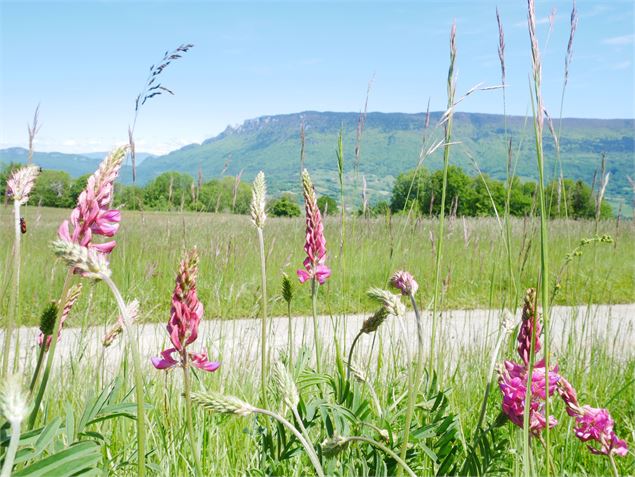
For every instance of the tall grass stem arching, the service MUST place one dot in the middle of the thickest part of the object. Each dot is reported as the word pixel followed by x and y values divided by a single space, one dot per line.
pixel 538 115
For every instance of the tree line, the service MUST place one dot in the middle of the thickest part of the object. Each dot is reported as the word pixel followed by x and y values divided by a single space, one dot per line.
pixel 417 191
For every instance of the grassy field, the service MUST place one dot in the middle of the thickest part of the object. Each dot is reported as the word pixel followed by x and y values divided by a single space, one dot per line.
pixel 149 246
pixel 95 405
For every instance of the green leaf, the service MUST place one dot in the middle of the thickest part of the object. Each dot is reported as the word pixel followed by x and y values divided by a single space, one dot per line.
pixel 47 435
pixel 65 463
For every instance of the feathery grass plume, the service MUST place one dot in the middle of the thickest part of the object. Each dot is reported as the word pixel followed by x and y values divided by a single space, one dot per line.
pixel 152 88
pixel 222 404
pixel 14 402
pixel 118 327
pixel 33 129
pixel 14 406
pixel 258 201
pixel 501 48
pixel 47 321
pixel 285 385
pixel 88 262
pixel 332 446
pixel 21 182
pixel 569 56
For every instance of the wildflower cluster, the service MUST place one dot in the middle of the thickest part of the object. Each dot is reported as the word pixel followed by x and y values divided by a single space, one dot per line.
pixel 593 424
pixel 185 316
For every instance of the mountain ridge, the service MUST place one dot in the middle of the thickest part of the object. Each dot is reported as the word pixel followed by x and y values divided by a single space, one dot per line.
pixel 391 143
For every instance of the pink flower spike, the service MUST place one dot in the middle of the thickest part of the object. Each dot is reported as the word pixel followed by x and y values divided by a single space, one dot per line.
pixel 185 315
pixel 200 361
pixel 530 327
pixel 315 243
pixel 92 215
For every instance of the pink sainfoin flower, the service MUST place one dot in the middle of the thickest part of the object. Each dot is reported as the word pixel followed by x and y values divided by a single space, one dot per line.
pixel 186 314
pixel 593 424
pixel 404 282
pixel 315 244
pixel 513 384
pixel 513 378
pixel 92 215
pixel 597 425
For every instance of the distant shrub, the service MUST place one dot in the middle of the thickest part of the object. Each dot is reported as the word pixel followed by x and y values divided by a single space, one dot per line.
pixel 327 205
pixel 284 206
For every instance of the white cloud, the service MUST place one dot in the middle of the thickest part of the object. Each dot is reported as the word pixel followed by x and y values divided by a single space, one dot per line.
pixel 619 40
pixel 623 65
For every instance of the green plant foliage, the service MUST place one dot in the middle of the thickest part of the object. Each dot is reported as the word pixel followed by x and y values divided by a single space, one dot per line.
pixel 284 206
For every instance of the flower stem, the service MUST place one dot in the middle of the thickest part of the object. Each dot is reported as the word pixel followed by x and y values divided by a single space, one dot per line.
pixel 350 356
pixel 15 290
pixel 413 382
pixel 263 331
pixel 307 446
pixel 385 449
pixel 188 414
pixel 316 336
pixel 613 466
pixel 51 352
pixel 13 448
pixel 138 378
pixel 38 367
pixel 290 335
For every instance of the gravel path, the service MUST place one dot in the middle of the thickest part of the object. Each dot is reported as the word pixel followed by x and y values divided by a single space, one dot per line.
pixel 237 342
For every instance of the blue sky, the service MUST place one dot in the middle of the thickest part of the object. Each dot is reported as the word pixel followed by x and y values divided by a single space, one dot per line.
pixel 84 63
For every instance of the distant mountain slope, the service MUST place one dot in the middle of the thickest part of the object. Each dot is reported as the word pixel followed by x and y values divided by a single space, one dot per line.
pixel 75 164
pixel 391 143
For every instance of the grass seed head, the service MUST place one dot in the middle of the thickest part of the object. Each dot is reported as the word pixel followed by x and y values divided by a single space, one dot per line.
pixel 89 262
pixel 285 385
pixel 371 324
pixel 388 300
pixel 21 182
pixel 222 404
pixel 258 201
pixel 14 402
pixel 332 446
